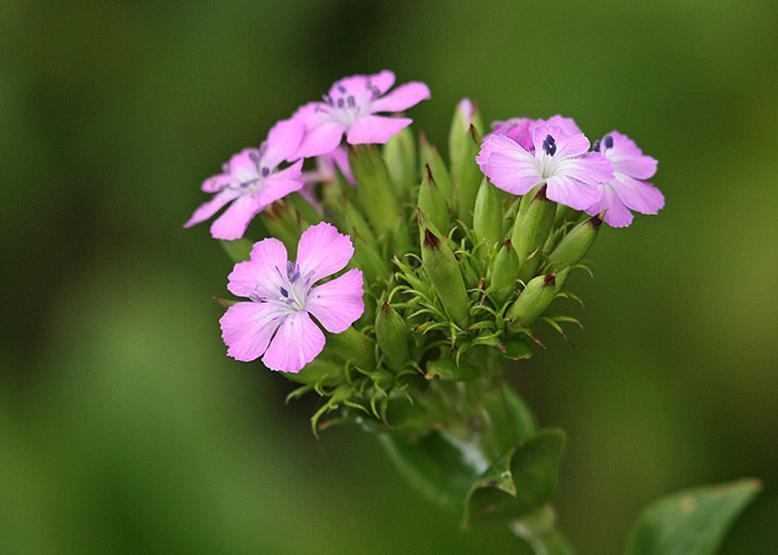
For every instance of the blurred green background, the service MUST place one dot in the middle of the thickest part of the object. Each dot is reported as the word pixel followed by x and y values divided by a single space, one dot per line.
pixel 125 429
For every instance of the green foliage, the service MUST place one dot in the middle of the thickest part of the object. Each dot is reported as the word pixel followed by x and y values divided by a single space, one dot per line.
pixel 691 522
pixel 238 250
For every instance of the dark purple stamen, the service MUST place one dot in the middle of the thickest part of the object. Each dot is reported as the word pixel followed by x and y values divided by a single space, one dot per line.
pixel 341 103
pixel 351 101
pixel 596 146
pixel 608 140
pixel 341 88
pixel 549 145
pixel 265 172
pixel 284 292
pixel 292 271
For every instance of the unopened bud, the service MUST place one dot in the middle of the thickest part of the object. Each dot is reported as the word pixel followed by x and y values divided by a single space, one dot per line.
pixel 392 335
pixel 374 188
pixel 465 115
pixel 432 203
pixel 400 157
pixel 574 246
pixel 533 224
pixel 443 271
pixel 431 157
pixel 487 215
pixel 466 176
pixel 352 346
pixel 533 300
pixel 504 272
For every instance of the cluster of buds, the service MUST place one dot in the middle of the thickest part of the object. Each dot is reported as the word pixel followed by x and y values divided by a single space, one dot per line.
pixel 443 269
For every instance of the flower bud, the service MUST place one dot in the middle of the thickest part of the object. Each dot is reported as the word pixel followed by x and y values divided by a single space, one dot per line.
pixel 444 275
pixel 400 157
pixel 533 300
pixel 284 222
pixel 487 216
pixel 504 272
pixel 432 203
pixel 465 115
pixel 354 346
pixel 334 194
pixel 392 335
pixel 574 246
pixel 467 176
pixel 431 157
pixel 533 224
pixel 374 188
pixel 356 225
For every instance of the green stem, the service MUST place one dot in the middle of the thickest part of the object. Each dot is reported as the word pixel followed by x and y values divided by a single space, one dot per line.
pixel 540 532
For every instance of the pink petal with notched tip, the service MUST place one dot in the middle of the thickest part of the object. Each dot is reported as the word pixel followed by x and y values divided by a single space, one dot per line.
pixel 401 98
pixel 208 209
pixel 507 165
pixel 572 193
pixel 616 213
pixel 248 327
pixel 233 222
pixel 638 195
pixel 322 251
pixel 216 183
pixel 338 303
pixel 627 157
pixel 375 129
pixel 260 275
pixel 280 184
pixel 296 343
pixel 283 143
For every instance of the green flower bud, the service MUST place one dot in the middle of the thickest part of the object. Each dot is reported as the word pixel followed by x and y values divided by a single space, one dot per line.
pixel 334 195
pixel 574 246
pixel 284 222
pixel 504 272
pixel 375 190
pixel 487 216
pixel 534 300
pixel 533 224
pixel 432 203
pixel 443 271
pixel 465 116
pixel 467 176
pixel 431 157
pixel 368 259
pixel 400 157
pixel 354 346
pixel 356 225
pixel 392 335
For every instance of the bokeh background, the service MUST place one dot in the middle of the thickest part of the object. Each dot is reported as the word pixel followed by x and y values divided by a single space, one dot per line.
pixel 125 429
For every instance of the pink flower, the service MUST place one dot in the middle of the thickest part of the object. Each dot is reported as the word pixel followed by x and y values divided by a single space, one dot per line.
pixel 558 159
pixel 520 129
pixel 626 191
pixel 350 108
pixel 251 181
pixel 276 323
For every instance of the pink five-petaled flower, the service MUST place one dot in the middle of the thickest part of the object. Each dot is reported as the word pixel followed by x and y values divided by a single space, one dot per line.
pixel 520 129
pixel 252 181
pixel 350 108
pixel 559 159
pixel 276 322
pixel 626 191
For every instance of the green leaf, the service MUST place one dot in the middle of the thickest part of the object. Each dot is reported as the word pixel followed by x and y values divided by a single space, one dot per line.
pixel 438 468
pixel 238 250
pixel 510 422
pixel 519 483
pixel 448 371
pixel 691 522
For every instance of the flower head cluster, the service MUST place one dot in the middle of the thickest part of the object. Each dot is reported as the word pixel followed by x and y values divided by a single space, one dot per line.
pixel 521 154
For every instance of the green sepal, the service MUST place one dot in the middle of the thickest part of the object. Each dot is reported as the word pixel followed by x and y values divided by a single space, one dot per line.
pixel 574 246
pixel 400 158
pixel 447 370
pixel 431 157
pixel 375 189
pixel 352 346
pixel 503 272
pixel 691 522
pixel 516 349
pixel 533 300
pixel 519 483
pixel 432 202
pixel 467 176
pixel 466 115
pixel 319 372
pixel 238 250
pixel 487 214
pixel 445 276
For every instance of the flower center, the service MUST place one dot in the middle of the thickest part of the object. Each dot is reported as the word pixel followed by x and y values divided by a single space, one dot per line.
pixel 294 287
pixel 250 177
pixel 547 164
pixel 346 107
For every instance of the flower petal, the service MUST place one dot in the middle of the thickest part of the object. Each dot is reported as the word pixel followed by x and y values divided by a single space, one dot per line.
pixel 592 168
pixel 321 138
pixel 616 213
pixel 338 303
pixel 518 129
pixel 572 193
pixel 638 195
pixel 322 251
pixel 507 165
pixel 248 327
pixel 296 343
pixel 216 183
pixel 628 158
pixel 383 80
pixel 208 209
pixel 280 184
pixel 402 98
pixel 283 142
pixel 260 275
pixel 567 144
pixel 375 129
pixel 567 124
pixel 233 222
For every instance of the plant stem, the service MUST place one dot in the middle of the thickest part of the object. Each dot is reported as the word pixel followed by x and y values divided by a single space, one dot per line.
pixel 539 531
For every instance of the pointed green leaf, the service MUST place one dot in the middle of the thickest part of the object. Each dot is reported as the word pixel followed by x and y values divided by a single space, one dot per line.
pixel 692 522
